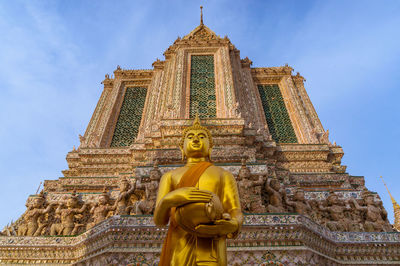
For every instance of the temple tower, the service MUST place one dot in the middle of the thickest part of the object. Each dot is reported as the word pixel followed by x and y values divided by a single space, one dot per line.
pixel 301 205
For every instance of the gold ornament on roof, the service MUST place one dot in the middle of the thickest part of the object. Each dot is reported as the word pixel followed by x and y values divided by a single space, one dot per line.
pixel 396 209
pixel 201 15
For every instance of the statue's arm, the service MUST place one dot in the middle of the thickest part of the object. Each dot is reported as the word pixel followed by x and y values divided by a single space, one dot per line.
pixel 48 208
pixel 109 207
pixel 322 208
pixel 282 191
pixel 161 212
pixel 357 206
pixel 231 204
pixel 139 184
pixel 268 188
pixel 114 207
pixel 81 210
pixel 132 189
pixel 58 210
pixel 169 197
pixel 288 201
pixel 92 209
pixel 308 205
pixel 231 201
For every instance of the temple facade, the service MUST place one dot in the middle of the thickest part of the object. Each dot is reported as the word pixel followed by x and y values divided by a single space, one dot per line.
pixel 301 206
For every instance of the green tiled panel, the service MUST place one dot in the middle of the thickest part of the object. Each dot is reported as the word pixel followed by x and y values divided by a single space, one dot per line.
pixel 202 86
pixel 277 117
pixel 128 123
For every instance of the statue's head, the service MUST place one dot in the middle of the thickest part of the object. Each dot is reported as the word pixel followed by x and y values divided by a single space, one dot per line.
pixel 196 141
pixel 103 199
pixel 299 195
pixel 37 203
pixel 333 198
pixel 124 184
pixel 274 183
pixel 244 171
pixel 368 197
pixel 155 174
pixel 73 200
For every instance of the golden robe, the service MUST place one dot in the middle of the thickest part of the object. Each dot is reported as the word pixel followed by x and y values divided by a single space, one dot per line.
pixel 185 248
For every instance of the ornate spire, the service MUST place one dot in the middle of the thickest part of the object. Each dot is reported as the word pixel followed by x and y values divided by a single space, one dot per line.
pixel 201 15
pixel 202 32
pixel 396 209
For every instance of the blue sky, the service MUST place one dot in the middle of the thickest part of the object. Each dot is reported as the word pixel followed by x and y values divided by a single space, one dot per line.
pixel 54 54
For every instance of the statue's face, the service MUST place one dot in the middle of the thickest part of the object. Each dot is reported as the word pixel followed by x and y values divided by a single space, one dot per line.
pixel 36 203
pixel 369 200
pixel 123 186
pixel 196 144
pixel 102 200
pixel 71 203
pixel 154 176
pixel 241 175
pixel 299 195
pixel 275 185
pixel 333 199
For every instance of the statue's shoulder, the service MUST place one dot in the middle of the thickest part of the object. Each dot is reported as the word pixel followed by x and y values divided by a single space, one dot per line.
pixel 176 171
pixel 218 168
pixel 221 170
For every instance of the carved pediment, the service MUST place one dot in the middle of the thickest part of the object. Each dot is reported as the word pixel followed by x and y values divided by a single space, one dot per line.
pixel 201 32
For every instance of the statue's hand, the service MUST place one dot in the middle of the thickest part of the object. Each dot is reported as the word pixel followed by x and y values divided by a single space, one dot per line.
pixel 219 228
pixel 185 195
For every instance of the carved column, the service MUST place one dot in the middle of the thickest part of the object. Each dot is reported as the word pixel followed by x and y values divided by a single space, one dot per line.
pixel 94 124
pixel 308 106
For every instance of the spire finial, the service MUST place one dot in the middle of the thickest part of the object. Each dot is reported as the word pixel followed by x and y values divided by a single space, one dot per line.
pixel 391 197
pixel 396 209
pixel 201 15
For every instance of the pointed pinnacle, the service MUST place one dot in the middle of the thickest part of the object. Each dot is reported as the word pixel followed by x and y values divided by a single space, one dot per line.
pixel 201 15
pixel 391 197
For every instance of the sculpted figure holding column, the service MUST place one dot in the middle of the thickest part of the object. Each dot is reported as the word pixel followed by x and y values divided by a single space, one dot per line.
pixel 31 225
pixel 201 203
pixel 68 215
pixel 126 189
pixel 100 209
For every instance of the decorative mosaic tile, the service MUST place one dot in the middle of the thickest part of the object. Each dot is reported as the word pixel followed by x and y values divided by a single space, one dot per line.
pixel 277 117
pixel 147 229
pixel 202 86
pixel 322 195
pixel 129 118
pixel 256 169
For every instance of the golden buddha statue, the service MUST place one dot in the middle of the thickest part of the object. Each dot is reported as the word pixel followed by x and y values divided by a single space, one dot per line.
pixel 201 203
